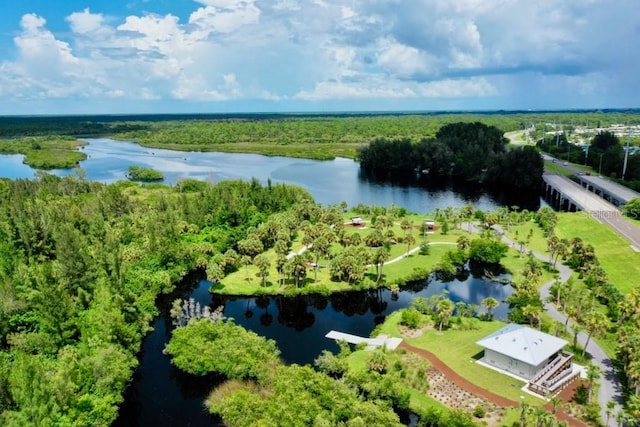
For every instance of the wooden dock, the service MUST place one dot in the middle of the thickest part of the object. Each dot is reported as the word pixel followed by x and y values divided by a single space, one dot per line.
pixel 382 341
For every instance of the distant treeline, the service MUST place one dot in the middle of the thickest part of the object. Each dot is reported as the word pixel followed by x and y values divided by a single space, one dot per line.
pixel 473 152
pixel 307 135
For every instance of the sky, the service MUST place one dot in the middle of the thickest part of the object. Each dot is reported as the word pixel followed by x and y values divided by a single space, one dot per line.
pixel 226 56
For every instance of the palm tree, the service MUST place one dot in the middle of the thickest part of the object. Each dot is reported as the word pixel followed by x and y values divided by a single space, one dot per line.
pixel 214 271
pixel 463 242
pixel 633 373
pixel 593 375
pixel 490 303
pixel 409 240
pixel 533 313
pixel 595 322
pixel 577 328
pixel 380 256
pixel 264 264
pixel 406 226
pixel 444 309
pixel 555 404
pixel 542 416
pixel 611 405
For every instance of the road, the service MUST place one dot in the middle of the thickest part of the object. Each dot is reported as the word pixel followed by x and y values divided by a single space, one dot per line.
pixel 610 385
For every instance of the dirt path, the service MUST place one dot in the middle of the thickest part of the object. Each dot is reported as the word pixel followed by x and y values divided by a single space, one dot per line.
pixel 486 394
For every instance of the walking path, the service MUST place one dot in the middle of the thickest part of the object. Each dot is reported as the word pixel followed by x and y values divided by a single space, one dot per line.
pixel 610 385
pixel 390 343
pixel 414 250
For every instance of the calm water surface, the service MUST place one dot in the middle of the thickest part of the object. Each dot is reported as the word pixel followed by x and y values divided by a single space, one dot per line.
pixel 160 395
pixel 330 182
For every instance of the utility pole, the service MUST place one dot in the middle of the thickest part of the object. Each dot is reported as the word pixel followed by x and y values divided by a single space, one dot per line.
pixel 626 153
pixel 600 169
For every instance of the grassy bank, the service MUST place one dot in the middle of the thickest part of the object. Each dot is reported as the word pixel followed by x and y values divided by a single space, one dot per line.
pixel 402 267
pixel 458 350
pixel 328 151
pixel 621 263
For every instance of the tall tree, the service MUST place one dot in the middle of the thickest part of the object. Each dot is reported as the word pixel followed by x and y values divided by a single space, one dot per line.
pixel 444 310
pixel 490 303
pixel 264 264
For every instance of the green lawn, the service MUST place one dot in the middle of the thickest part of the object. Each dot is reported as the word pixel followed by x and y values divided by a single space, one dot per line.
pixel 621 263
pixel 556 168
pixel 537 242
pixel 247 281
pixel 457 349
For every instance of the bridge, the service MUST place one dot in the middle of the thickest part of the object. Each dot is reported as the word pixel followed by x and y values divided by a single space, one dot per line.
pixel 382 341
pixel 570 196
pixel 611 191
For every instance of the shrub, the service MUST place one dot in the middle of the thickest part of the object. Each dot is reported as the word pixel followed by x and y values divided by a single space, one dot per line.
pixel 424 249
pixel 410 318
pixel 479 412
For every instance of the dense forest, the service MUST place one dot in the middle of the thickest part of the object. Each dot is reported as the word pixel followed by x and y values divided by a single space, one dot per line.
pixel 318 136
pixel 81 265
pixel 473 152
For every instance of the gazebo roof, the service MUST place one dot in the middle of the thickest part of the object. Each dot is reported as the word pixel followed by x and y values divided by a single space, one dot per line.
pixel 522 343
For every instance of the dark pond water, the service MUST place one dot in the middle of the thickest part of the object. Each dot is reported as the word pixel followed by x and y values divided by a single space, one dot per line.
pixel 162 395
pixel 330 182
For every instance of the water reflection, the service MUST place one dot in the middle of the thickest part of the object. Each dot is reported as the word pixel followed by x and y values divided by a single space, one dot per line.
pixel 330 182
pixel 161 395
pixel 298 324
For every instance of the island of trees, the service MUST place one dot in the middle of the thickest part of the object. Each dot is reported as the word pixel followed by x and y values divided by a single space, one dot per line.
pixel 473 152
pixel 143 174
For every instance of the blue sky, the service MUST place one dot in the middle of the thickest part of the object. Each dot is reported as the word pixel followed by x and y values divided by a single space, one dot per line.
pixel 173 56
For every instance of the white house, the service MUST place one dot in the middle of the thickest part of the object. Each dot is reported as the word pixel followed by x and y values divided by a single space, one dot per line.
pixel 525 352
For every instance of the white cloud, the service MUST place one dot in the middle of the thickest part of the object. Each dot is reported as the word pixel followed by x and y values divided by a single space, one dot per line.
pixel 405 62
pixel 334 49
pixel 458 88
pixel 85 22
pixel 224 16
pixel 340 90
pixel 39 45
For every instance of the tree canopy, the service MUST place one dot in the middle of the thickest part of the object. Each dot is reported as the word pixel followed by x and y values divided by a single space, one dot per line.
pixel 81 266
pixel 470 151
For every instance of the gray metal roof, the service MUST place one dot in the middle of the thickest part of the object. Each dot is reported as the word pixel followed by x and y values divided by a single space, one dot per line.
pixel 522 343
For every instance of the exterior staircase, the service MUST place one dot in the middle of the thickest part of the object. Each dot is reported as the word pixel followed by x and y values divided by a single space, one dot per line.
pixel 555 376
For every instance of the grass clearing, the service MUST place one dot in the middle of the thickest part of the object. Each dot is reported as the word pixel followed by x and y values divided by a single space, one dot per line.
pixel 556 169
pixel 458 350
pixel 531 232
pixel 621 263
pixel 247 280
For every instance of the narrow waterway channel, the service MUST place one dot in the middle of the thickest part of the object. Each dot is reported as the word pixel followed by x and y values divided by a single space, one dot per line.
pixel 159 394
pixel 162 395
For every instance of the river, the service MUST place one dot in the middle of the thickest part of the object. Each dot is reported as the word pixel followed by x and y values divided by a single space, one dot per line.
pixel 160 394
pixel 330 182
